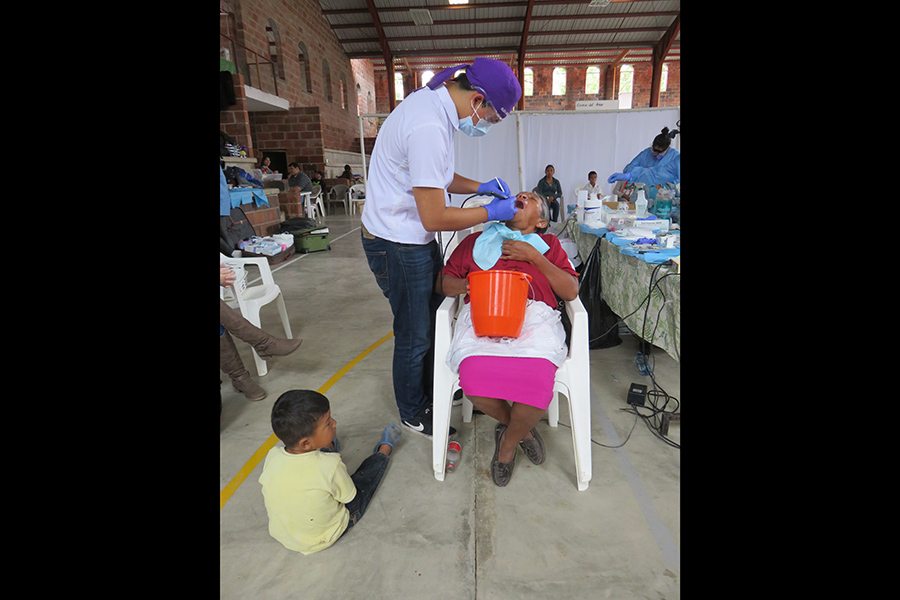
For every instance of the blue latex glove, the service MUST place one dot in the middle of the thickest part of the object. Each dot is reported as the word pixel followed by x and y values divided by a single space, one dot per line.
pixel 501 209
pixel 617 177
pixel 496 187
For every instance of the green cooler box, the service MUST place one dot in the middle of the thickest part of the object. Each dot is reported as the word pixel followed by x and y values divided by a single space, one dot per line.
pixel 314 239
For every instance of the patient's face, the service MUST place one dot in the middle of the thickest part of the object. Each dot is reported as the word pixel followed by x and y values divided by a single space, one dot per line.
pixel 528 215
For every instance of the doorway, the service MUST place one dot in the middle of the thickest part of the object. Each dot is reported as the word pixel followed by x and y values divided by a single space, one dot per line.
pixel 278 160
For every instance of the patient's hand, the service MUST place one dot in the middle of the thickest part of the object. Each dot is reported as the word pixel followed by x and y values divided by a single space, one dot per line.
pixel 515 250
pixel 226 275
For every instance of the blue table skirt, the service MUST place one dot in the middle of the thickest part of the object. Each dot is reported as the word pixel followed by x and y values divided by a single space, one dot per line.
pixel 247 196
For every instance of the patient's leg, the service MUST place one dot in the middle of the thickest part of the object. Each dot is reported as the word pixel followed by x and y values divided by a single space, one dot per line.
pixel 522 418
pixel 492 407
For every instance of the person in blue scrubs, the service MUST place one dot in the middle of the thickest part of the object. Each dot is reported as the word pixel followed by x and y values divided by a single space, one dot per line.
pixel 657 165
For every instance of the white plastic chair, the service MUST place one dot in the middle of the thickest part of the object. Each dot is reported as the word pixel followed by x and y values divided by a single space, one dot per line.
pixel 251 298
pixel 314 207
pixel 573 377
pixel 359 188
pixel 340 193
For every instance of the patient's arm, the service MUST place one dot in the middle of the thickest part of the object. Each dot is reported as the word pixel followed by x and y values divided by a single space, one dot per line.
pixel 564 285
pixel 452 286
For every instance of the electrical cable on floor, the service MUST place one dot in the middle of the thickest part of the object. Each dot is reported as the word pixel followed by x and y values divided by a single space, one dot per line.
pixel 654 421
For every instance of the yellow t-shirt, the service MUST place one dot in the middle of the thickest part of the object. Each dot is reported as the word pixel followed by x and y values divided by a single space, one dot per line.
pixel 305 496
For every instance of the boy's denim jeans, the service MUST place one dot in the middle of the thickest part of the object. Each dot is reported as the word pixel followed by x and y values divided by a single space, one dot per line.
pixel 366 478
pixel 406 274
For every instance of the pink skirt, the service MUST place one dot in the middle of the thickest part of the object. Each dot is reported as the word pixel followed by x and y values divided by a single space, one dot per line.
pixel 523 380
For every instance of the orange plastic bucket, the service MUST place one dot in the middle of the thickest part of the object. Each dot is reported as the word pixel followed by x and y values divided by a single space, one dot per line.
pixel 497 300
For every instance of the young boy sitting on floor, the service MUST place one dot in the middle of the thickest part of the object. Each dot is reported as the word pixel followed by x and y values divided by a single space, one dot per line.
pixel 310 499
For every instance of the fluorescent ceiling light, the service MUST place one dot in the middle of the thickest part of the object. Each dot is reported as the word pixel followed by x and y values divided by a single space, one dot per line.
pixel 459 1
pixel 421 16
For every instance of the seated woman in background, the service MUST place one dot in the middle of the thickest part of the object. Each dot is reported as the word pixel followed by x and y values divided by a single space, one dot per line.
pixel 266 165
pixel 550 188
pixel 347 174
pixel 495 372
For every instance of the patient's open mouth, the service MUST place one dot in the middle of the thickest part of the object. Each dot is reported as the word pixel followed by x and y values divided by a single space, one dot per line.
pixel 520 203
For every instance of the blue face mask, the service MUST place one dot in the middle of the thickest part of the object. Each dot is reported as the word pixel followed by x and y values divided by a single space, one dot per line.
pixel 466 126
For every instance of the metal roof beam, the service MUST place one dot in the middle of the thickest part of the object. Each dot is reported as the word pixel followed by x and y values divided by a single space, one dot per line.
pixel 462 36
pixel 385 50
pixel 660 50
pixel 349 11
pixel 523 44
pixel 658 13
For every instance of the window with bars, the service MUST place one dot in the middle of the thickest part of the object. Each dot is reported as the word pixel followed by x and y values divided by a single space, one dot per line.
pixel 275 47
pixel 592 80
pixel 326 80
pixel 303 57
pixel 559 81
pixel 626 86
pixel 398 86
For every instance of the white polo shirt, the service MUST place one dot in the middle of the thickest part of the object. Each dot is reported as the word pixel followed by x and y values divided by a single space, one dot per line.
pixel 414 148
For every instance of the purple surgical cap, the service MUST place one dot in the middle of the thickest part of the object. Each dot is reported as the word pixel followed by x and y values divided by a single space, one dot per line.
pixel 492 77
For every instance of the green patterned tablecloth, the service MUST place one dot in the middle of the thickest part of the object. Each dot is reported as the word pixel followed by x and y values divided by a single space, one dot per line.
pixel 626 281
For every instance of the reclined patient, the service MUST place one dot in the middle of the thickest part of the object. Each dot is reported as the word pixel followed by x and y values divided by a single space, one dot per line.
pixel 494 372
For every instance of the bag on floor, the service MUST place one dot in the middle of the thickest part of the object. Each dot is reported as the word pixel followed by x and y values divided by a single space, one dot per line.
pixel 233 229
pixel 603 323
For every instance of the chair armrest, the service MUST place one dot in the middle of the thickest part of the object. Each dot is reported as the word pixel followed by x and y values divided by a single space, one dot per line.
pixel 261 263
pixel 578 317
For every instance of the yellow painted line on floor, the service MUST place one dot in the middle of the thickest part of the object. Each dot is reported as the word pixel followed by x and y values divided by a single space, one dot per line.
pixel 232 486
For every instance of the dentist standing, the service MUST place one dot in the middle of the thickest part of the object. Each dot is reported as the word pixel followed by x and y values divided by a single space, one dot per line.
pixel 410 174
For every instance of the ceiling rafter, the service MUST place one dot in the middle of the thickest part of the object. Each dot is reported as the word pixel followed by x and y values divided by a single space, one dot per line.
pixel 659 13
pixel 462 36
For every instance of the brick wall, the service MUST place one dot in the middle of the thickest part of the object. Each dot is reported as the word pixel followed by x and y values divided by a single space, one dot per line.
pixel 302 21
pixel 575 80
pixel 297 131
pixel 235 121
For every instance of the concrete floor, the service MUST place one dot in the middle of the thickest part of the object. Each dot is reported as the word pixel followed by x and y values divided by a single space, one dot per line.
pixel 463 538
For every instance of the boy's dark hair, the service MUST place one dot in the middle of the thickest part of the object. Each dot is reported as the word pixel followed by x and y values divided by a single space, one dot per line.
pixel 295 414
pixel 591 173
pixel 549 167
pixel 295 165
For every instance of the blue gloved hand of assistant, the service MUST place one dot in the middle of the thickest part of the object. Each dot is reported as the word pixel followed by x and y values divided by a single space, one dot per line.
pixel 501 209
pixel 495 187
pixel 488 247
pixel 617 177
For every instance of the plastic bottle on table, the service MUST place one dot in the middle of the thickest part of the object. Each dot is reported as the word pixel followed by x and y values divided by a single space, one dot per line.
pixel 640 205
pixel 454 449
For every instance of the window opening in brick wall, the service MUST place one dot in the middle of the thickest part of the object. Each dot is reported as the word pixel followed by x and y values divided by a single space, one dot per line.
pixel 592 80
pixel 370 104
pixel 559 81
pixel 275 47
pixel 305 79
pixel 343 90
pixel 326 78
pixel 426 77
pixel 529 81
pixel 398 86
pixel 664 80
pixel 359 98
pixel 626 86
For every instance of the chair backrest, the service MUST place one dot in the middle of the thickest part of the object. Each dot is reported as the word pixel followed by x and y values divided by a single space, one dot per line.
pixel 338 192
pixel 358 190
pixel 240 287
pixel 316 190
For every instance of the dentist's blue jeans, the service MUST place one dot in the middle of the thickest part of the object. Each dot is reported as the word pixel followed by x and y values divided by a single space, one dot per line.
pixel 406 274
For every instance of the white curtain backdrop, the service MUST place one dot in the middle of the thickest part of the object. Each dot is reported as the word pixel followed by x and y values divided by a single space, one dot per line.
pixel 573 142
